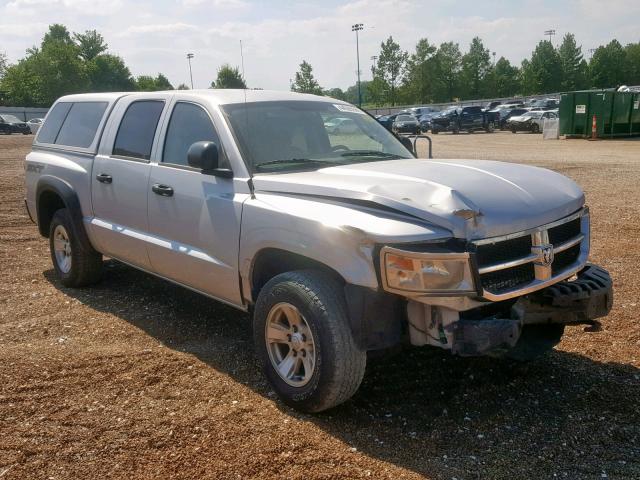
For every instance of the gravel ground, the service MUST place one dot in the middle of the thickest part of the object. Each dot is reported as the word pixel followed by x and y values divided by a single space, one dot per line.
pixel 138 378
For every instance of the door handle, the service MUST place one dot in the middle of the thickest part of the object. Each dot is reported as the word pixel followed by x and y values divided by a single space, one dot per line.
pixel 162 190
pixel 104 178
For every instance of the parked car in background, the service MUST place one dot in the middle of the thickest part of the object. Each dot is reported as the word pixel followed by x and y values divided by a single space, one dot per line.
pixel 425 121
pixel 529 122
pixel 492 105
pixel 544 104
pixel 34 124
pixel 11 124
pixel 387 120
pixel 457 119
pixel 406 123
pixel 339 126
pixel 419 111
pixel 507 113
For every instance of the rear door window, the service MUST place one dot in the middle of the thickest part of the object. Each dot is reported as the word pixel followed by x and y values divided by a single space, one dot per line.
pixel 137 129
pixel 81 124
pixel 49 131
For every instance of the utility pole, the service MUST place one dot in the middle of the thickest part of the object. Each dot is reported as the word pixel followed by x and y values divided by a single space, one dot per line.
pixel 551 33
pixel 189 57
pixel 356 28
pixel 374 58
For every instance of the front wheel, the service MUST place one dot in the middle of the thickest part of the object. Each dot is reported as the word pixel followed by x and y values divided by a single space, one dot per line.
pixel 304 343
pixel 535 128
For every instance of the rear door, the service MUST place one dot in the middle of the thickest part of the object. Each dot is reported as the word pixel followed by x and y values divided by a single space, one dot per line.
pixel 120 178
pixel 194 218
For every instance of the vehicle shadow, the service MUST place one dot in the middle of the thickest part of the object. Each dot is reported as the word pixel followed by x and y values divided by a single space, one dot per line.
pixel 564 415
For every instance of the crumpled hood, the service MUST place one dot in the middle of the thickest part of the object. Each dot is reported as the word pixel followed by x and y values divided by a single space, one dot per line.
pixel 471 198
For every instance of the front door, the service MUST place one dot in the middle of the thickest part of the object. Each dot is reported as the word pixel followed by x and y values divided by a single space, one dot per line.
pixel 194 217
pixel 119 182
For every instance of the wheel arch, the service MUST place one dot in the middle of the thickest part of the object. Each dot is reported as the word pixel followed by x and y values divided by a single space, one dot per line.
pixel 52 194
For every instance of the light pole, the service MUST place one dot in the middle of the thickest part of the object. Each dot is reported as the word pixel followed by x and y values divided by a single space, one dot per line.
pixel 356 28
pixel 374 58
pixel 189 57
pixel 551 33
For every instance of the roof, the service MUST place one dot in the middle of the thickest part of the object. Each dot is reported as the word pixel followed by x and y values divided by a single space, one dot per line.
pixel 219 96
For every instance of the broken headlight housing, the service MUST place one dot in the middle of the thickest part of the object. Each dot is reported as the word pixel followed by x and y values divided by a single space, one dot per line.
pixel 426 273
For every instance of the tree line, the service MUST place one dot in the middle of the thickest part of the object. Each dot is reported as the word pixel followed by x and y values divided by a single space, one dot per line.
pixel 67 63
pixel 435 74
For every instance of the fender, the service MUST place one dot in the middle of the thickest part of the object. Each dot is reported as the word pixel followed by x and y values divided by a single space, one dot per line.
pixel 49 183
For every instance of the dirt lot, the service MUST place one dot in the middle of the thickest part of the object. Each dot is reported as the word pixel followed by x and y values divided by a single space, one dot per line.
pixel 137 378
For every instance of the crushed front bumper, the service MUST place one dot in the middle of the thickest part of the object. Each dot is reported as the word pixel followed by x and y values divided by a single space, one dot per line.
pixel 582 300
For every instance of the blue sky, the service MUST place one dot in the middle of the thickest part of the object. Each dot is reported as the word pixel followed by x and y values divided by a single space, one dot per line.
pixel 154 36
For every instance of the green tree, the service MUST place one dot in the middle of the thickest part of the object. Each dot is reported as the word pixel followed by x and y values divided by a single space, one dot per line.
pixel 335 93
pixel 506 78
pixel 476 67
pixel 392 62
pixel 448 66
pixel 108 73
pixel 57 33
pixel 543 73
pixel 305 82
pixel 229 77
pixel 146 83
pixel 574 67
pixel 608 65
pixel 419 80
pixel 632 54
pixel 90 44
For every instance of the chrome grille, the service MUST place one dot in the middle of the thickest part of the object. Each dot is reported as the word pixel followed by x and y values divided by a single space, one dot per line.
pixel 523 262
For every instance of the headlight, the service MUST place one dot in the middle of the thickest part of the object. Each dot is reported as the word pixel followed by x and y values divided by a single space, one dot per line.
pixel 425 272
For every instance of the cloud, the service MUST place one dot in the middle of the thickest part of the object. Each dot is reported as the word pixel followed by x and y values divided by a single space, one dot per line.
pixel 167 29
pixel 218 4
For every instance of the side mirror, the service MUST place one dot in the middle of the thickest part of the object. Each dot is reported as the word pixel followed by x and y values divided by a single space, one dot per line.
pixel 204 156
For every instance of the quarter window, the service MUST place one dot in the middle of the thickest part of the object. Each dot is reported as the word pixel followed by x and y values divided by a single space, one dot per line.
pixel 137 129
pixel 189 124
pixel 80 127
pixel 50 129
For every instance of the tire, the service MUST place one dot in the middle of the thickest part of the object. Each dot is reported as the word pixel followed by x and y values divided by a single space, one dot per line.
pixel 435 131
pixel 76 265
pixel 490 127
pixel 535 128
pixel 513 130
pixel 535 341
pixel 337 364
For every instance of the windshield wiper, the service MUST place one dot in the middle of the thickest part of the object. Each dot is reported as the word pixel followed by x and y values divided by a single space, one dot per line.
pixel 303 161
pixel 370 153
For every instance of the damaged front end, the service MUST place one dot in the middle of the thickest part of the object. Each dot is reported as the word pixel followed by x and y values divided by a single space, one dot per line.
pixel 499 328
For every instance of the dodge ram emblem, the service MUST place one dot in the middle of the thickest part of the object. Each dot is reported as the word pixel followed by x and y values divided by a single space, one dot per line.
pixel 546 254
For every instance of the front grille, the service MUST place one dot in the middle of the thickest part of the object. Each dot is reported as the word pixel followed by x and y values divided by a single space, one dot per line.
pixel 491 253
pixel 531 259
pixel 565 259
pixel 508 279
pixel 564 232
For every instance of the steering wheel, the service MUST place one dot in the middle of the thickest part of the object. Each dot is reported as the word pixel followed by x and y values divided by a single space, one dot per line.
pixel 337 148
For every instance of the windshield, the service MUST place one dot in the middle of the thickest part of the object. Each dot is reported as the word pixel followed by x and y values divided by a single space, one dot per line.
pixel 404 118
pixel 285 136
pixel 11 119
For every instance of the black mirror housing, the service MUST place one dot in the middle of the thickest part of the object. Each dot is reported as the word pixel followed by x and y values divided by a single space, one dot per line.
pixel 203 155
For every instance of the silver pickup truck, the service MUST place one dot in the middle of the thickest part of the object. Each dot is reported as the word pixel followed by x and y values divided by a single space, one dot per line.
pixel 337 243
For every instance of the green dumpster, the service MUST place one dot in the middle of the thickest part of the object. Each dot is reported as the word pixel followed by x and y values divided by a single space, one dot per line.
pixel 617 113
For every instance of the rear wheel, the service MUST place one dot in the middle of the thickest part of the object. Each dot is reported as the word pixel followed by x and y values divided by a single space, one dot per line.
pixel 75 264
pixel 535 128
pixel 513 130
pixel 304 342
